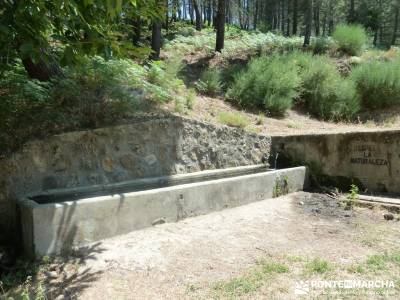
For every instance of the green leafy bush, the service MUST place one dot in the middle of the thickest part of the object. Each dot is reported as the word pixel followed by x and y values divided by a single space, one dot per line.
pixel 325 93
pixel 378 83
pixel 351 39
pixel 210 82
pixel 269 82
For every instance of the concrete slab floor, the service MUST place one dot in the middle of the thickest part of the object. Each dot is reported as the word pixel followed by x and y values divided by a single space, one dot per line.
pixel 185 260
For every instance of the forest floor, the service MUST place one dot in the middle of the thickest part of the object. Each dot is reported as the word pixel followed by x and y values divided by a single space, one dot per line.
pixel 257 251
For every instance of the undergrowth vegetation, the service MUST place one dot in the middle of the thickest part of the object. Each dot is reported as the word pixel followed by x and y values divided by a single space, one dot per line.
pixel 236 42
pixel 91 94
pixel 259 71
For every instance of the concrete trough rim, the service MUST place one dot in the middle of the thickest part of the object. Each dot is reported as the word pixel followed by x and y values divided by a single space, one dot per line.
pixel 31 203
pixel 157 181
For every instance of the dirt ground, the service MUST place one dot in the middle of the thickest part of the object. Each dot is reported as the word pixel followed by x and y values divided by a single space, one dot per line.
pixel 258 251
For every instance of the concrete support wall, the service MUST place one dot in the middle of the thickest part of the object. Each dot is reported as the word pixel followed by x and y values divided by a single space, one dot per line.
pixel 369 159
pixel 154 147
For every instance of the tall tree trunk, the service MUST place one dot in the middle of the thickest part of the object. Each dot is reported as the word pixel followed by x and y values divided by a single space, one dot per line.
pixel 156 40
pixel 295 16
pixel 308 16
pixel 209 10
pixel 396 22
pixel 184 8
pixel 228 13
pixel 41 70
pixel 191 12
pixel 256 3
pixel 198 15
pixel 220 26
pixel 317 8
pixel 288 18
pixel 137 31
pixel 283 16
pixel 352 14
pixel 375 41
pixel 166 16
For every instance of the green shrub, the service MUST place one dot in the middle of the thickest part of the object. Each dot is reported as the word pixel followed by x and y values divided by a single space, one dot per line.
pixel 190 98
pixel 233 119
pixel 25 108
pixel 351 39
pixel 324 92
pixel 91 94
pixel 210 82
pixel 269 82
pixel 321 45
pixel 97 92
pixel 378 83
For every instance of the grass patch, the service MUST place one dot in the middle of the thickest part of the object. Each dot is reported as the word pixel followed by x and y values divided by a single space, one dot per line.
pixel 252 281
pixel 318 266
pixel 241 285
pixel 271 267
pixel 233 119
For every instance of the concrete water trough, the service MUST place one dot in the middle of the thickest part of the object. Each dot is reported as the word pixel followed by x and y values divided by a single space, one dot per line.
pixel 55 221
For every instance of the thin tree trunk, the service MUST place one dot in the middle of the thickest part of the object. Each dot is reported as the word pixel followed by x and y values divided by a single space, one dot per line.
pixel 283 20
pixel 156 40
pixel 255 14
pixel 308 22
pixel 396 23
pixel 220 26
pixel 352 14
pixel 191 12
pixel 137 31
pixel 317 8
pixel 209 10
pixel 198 15
pixel 295 16
pixel 288 18
pixel 166 16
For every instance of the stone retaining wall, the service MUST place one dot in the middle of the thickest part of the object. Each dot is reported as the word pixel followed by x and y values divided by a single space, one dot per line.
pixel 156 147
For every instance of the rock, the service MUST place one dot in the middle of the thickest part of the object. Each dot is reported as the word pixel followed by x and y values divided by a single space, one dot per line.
pixel 388 217
pixel 158 221
pixel 316 210
pixel 347 215
pixel 127 161
pixel 51 274
pixel 60 297
pixel 301 203
pixel 150 159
